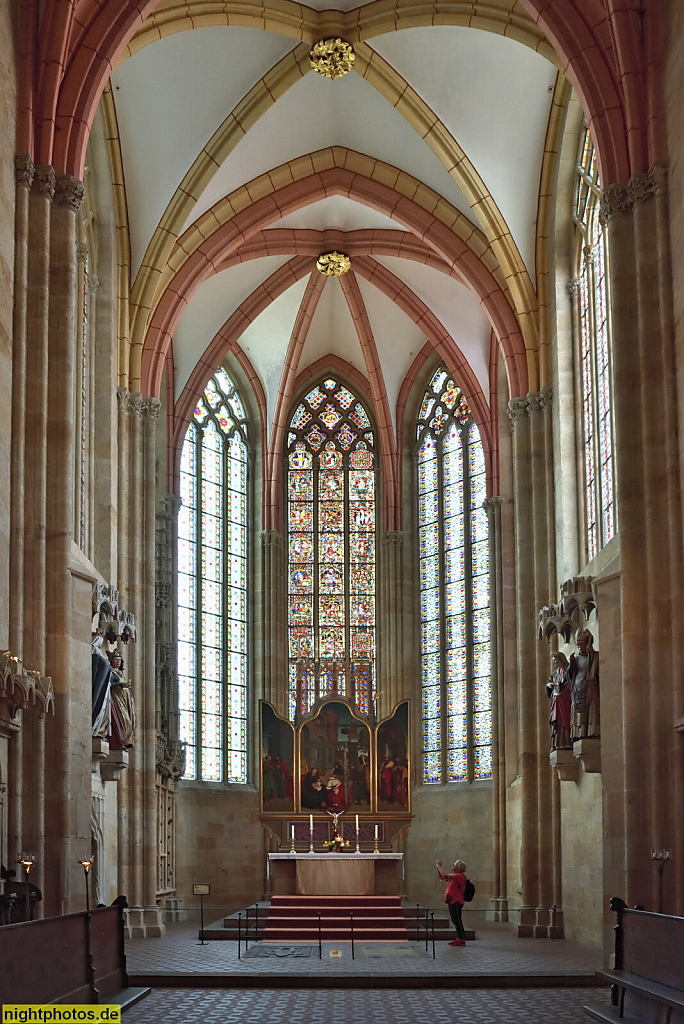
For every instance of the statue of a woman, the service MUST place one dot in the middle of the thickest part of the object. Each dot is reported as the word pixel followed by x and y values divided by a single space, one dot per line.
pixel 558 689
pixel 122 734
pixel 101 678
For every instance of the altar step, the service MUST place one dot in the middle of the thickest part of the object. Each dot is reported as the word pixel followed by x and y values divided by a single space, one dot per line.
pixel 333 918
pixel 253 919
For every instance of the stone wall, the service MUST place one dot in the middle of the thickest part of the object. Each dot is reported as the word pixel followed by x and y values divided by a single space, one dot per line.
pixel 7 189
pixel 450 822
pixel 582 859
pixel 220 840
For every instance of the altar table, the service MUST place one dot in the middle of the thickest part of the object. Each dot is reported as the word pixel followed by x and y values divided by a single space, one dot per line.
pixel 335 874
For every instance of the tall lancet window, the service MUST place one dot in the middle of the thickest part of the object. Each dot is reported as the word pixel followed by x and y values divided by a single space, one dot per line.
pixel 454 588
pixel 212 584
pixel 331 482
pixel 595 372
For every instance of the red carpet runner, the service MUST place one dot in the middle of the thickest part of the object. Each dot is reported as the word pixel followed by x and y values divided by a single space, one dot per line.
pixel 295 918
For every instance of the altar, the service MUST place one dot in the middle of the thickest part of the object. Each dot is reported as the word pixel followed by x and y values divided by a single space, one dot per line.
pixel 336 874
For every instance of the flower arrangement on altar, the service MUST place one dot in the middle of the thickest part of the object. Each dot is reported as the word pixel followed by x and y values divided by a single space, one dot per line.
pixel 337 844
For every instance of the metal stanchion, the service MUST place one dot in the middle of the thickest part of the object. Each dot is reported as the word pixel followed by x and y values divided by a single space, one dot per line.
pixel 239 934
pixel 351 922
pixel 417 922
pixel 256 922
pixel 246 929
pixel 427 930
pixel 320 944
pixel 432 916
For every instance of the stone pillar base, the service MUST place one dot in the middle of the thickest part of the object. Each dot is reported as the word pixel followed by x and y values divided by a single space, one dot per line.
pixel 144 922
pixel 527 919
pixel 499 909
pixel 174 909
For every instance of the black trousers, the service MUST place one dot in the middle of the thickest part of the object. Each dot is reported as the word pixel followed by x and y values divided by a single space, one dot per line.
pixel 455 909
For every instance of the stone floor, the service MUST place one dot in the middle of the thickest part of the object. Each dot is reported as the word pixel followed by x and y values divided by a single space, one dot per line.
pixel 496 952
pixel 337 1006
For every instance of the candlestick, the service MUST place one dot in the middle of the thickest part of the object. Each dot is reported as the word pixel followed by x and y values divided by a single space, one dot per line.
pixel 292 839
pixel 375 845
pixel 311 833
pixel 357 833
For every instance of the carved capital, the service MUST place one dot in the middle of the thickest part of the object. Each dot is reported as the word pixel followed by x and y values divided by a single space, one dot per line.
pixel 24 170
pixel 517 407
pixel 537 401
pixel 129 401
pixel 92 283
pixel 69 191
pixel 573 287
pixel 490 505
pixel 151 408
pixel 81 252
pixel 622 198
pixel 272 538
pixel 44 181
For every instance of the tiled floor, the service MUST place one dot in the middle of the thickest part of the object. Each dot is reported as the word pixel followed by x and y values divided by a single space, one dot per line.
pixel 306 1006
pixel 496 951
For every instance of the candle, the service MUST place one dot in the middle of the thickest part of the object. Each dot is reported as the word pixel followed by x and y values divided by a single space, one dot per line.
pixel 292 833
pixel 376 833
pixel 311 824
pixel 357 823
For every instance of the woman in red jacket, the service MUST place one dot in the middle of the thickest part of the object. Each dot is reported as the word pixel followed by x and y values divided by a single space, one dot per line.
pixel 454 897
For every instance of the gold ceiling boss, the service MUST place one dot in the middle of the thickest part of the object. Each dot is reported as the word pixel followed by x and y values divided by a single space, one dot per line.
pixel 332 58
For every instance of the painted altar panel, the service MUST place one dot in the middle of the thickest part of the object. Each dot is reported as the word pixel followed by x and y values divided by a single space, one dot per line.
pixel 393 762
pixel 335 761
pixel 277 761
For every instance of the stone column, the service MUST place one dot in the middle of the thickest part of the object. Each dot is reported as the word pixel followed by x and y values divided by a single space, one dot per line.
pixel 24 173
pixel 273 632
pixel 499 911
pixel 389 687
pixel 641 694
pixel 36 413
pixel 137 817
pixel 535 561
pixel 66 660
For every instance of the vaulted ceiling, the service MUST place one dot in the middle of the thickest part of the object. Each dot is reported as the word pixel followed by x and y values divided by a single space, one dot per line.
pixel 240 165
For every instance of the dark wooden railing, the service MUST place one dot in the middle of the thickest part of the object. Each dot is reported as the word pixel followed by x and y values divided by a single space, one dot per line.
pixel 78 958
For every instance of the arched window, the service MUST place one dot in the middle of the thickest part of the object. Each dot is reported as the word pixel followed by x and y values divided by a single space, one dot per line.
pixel 331 548
pixel 454 588
pixel 595 374
pixel 212 582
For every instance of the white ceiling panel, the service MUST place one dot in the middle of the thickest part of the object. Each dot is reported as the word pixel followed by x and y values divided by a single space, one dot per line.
pixel 332 330
pixel 266 339
pixel 397 339
pixel 455 306
pixel 494 96
pixel 317 113
pixel 337 212
pixel 170 98
pixel 209 308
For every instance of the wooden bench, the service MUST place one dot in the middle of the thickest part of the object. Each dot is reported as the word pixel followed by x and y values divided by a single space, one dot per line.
pixel 647 982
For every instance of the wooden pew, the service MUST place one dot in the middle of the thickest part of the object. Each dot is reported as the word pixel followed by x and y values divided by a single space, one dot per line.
pixel 647 982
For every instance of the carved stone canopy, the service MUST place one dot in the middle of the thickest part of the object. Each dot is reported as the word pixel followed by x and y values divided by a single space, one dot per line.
pixel 570 614
pixel 23 688
pixel 109 620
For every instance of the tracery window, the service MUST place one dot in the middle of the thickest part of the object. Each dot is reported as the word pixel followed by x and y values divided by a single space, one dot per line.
pixel 212 583
pixel 595 372
pixel 331 483
pixel 454 588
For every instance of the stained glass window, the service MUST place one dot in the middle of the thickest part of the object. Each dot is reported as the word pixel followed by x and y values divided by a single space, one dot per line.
pixel 331 549
pixel 212 587
pixel 594 343
pixel 453 539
